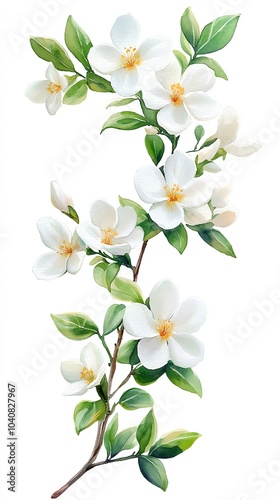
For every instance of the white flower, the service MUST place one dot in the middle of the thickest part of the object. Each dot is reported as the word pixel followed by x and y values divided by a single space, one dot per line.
pixel 65 255
pixel 110 230
pixel 48 91
pixel 86 373
pixel 180 97
pixel 226 135
pixel 172 192
pixel 128 60
pixel 165 329
pixel 59 199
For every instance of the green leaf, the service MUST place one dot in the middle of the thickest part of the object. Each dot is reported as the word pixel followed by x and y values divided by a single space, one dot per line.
pixel 217 241
pixel 76 94
pixel 143 376
pixel 127 354
pixel 150 228
pixel 177 237
pixel 149 114
pixel 95 260
pixel 110 274
pixel 184 378
pixel 53 52
pixel 87 413
pixel 186 46
pixel 146 432
pixel 141 213
pixel 190 27
pixel 135 398
pixel 122 102
pixel 77 42
pixel 113 318
pixel 172 444
pixel 154 471
pixel 75 326
pixel 97 83
pixel 182 60
pixel 110 433
pixel 125 120
pixel 125 440
pixel 199 132
pixel 71 79
pixel 127 290
pixel 216 35
pixel 99 274
pixel 155 147
pixel 211 63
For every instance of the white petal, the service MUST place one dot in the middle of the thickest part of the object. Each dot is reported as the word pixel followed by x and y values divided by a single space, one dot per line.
pixel 139 322
pixel 153 353
pixel 75 261
pixel 59 199
pixel 212 167
pixel 76 388
pixel 224 217
pixel 90 235
pixel 103 215
pixel 209 152
pixel 105 59
pixel 116 249
pixel 228 126
pixel 92 357
pixel 174 118
pixel 243 147
pixel 134 238
pixel 202 106
pixel 190 316
pixel 156 98
pixel 53 232
pixel 125 33
pixel 170 75
pixel 149 184
pixel 197 193
pixel 167 215
pixel 38 91
pixel 53 103
pixel 52 74
pixel 127 219
pixel 77 244
pixel 198 215
pixel 155 53
pixel 185 350
pixel 49 266
pixel 126 82
pixel 221 196
pixel 179 169
pixel 71 370
pixel 164 300
pixel 198 77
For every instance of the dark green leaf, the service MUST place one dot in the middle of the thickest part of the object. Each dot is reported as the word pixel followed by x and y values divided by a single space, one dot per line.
pixel 154 471
pixel 186 46
pixel 127 354
pixel 87 413
pixel 143 376
pixel 184 378
pixel 127 290
pixel 110 274
pixel 97 83
pixel 216 35
pixel 217 241
pixel 146 432
pixel 155 147
pixel 76 94
pixel 125 440
pixel 177 237
pixel 125 120
pixel 77 42
pixel 53 52
pixel 190 27
pixel 111 431
pixel 211 63
pixel 172 444
pixel 149 114
pixel 122 102
pixel 113 318
pixel 141 213
pixel 150 228
pixel 135 398
pixel 199 132
pixel 182 60
pixel 75 326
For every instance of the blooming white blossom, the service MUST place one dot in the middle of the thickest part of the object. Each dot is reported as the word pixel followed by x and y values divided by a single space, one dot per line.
pixel 128 60
pixel 67 254
pixel 180 97
pixel 171 193
pixel 226 138
pixel 48 91
pixel 86 373
pixel 59 199
pixel 110 230
pixel 165 329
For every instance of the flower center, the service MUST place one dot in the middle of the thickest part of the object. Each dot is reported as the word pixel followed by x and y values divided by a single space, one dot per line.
pixel 165 328
pixel 174 193
pixel 177 92
pixel 54 88
pixel 87 375
pixel 130 58
pixel 108 235
pixel 65 249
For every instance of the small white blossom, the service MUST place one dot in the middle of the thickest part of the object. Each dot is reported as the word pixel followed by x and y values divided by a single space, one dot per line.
pixel 59 199
pixel 48 91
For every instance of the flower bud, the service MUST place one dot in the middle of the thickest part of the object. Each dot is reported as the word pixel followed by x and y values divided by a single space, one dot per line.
pixel 59 199
pixel 150 130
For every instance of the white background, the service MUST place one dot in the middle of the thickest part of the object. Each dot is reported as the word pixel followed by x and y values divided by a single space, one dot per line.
pixel 238 456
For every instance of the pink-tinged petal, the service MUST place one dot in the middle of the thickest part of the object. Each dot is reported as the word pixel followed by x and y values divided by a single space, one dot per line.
pixel 149 184
pixel 179 169
pixel 228 126
pixel 198 215
pixel 170 75
pixel 174 118
pixel 209 152
pixel 139 322
pixel 53 103
pixel 190 316
pixel 92 357
pixel 103 215
pixel 53 232
pixel 198 77
pixel 185 350
pixel 49 266
pixel 243 147
pixel 38 91
pixel 75 261
pixel 156 97
pixel 164 300
pixel 125 32
pixel 76 388
pixel 105 59
pixel 90 235
pixel 71 370
pixel 155 54
pixel 224 217
pixel 202 106
pixel 127 219
pixel 133 239
pixel 126 82
pixel 153 353
pixel 167 215
pixel 197 193
pixel 116 249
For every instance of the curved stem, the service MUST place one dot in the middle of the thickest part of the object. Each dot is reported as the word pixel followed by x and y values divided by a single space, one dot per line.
pixel 136 268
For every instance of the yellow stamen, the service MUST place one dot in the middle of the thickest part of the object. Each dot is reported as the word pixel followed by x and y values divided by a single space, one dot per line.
pixel 54 88
pixel 87 375
pixel 108 235
pixel 165 328
pixel 131 58
pixel 177 92
pixel 174 193
pixel 65 249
